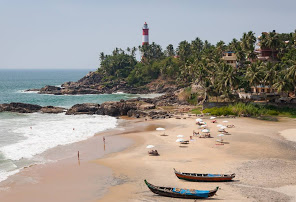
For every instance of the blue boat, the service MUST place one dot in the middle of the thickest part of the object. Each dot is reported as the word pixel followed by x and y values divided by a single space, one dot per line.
pixel 181 193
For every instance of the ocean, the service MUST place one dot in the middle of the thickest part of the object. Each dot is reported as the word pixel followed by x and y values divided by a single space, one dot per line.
pixel 24 136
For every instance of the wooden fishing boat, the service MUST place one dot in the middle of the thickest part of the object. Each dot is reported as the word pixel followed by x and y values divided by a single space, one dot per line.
pixel 181 193
pixel 196 177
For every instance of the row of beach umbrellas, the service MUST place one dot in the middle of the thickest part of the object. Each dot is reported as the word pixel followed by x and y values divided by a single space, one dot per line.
pixel 203 130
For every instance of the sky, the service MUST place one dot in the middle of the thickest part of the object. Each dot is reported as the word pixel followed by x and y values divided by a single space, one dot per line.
pixel 64 34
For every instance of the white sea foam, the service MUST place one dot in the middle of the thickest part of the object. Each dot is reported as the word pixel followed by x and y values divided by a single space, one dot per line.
pixel 51 130
pixel 5 174
pixel 27 91
pixel 118 93
pixel 154 95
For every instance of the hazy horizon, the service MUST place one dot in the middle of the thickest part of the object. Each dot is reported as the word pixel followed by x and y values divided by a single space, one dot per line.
pixel 71 34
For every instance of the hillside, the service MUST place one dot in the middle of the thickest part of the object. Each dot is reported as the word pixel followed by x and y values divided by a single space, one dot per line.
pixel 198 63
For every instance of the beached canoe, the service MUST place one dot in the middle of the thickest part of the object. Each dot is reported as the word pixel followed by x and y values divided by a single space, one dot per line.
pixel 196 177
pixel 181 193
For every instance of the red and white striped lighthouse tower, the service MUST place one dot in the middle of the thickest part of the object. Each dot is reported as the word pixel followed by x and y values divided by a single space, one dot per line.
pixel 145 39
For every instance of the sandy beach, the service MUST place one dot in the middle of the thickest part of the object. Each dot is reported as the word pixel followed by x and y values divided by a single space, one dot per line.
pixel 263 160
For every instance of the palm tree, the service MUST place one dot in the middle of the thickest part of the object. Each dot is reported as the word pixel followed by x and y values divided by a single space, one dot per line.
pixel 133 51
pixel 283 85
pixel 291 74
pixel 270 73
pixel 248 44
pixel 254 74
pixel 102 56
pixel 170 52
pixel 273 42
pixel 196 47
pixel 220 47
pixel 183 51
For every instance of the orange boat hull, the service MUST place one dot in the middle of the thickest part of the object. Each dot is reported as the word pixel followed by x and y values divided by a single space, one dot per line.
pixel 204 178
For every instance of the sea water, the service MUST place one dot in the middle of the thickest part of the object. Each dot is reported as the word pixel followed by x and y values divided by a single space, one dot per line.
pixel 24 136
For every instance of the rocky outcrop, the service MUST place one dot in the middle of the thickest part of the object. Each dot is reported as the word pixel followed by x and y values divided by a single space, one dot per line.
pixel 140 107
pixel 94 83
pixel 29 108
pixel 52 110
pixel 19 107
pixel 50 90
pixel 86 108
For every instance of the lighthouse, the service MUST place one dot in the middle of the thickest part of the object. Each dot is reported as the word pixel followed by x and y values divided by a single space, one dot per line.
pixel 145 39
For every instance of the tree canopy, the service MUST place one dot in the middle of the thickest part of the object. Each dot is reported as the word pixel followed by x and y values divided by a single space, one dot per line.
pixel 199 62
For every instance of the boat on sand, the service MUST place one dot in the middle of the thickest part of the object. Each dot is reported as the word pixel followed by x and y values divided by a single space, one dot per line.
pixel 196 177
pixel 181 193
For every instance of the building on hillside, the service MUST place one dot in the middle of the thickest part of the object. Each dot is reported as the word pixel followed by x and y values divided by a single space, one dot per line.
pixel 264 53
pixel 230 58
pixel 259 93
pixel 262 89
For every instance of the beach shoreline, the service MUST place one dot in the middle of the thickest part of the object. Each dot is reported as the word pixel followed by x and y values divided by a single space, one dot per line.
pixel 63 169
pixel 119 174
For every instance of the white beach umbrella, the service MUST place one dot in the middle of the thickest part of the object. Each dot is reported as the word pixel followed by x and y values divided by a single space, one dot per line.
pixel 220 130
pixel 223 127
pixel 150 146
pixel 205 131
pixel 221 135
pixel 180 135
pixel 225 121
pixel 198 120
pixel 160 129
pixel 212 117
pixel 179 140
pixel 203 126
pixel 219 125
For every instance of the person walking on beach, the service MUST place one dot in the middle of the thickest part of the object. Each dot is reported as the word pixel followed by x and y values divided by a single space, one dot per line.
pixel 78 155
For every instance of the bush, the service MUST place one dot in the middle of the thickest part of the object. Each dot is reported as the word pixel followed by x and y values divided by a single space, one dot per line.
pixel 219 111
pixel 251 109
pixel 196 111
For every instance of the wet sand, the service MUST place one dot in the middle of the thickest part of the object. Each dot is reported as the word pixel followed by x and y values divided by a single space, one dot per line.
pixel 63 177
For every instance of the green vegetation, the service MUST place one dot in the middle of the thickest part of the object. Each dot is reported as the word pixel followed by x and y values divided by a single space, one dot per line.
pixel 196 111
pixel 187 94
pixel 199 62
pixel 251 109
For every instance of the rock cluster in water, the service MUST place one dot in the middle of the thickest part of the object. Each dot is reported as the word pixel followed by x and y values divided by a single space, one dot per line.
pixel 140 107
pixel 29 108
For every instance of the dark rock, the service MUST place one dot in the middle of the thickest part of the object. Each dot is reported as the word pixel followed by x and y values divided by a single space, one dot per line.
pixel 86 108
pixel 19 107
pixel 52 109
